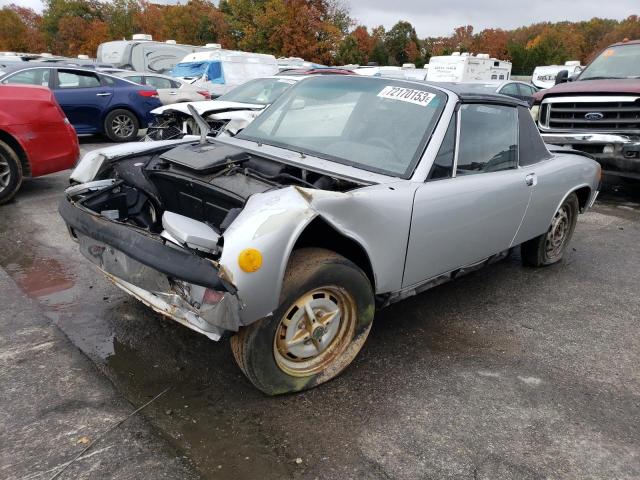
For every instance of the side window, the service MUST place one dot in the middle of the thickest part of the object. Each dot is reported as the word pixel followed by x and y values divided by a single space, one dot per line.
pixel 34 76
pixel 175 84
pixel 510 89
pixel 443 163
pixel 77 79
pixel 158 82
pixel 525 90
pixel 488 139
pixel 135 78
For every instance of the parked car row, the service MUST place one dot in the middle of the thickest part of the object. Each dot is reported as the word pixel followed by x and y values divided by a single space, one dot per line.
pixel 94 102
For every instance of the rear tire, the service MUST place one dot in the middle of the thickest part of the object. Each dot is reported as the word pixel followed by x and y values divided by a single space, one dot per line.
pixel 549 248
pixel 121 126
pixel 10 173
pixel 325 314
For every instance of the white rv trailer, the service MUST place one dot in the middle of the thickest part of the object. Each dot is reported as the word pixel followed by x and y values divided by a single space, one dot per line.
pixel 464 67
pixel 545 76
pixel 142 54
pixel 220 70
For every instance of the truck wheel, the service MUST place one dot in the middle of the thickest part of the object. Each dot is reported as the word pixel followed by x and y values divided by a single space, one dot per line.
pixel 121 126
pixel 549 248
pixel 10 173
pixel 325 314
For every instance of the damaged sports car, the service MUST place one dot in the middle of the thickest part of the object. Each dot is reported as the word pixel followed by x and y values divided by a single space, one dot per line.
pixel 227 114
pixel 344 196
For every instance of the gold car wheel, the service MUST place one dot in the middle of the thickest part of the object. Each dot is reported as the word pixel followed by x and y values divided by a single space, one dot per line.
pixel 314 331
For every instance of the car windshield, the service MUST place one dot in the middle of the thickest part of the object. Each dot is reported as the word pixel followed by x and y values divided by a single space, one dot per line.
pixel 189 69
pixel 621 61
pixel 369 123
pixel 262 91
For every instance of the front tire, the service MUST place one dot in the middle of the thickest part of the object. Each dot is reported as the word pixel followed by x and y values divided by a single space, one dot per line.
pixel 549 248
pixel 121 126
pixel 10 173
pixel 325 314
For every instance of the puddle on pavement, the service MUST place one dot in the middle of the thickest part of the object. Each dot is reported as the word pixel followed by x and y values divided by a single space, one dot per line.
pixel 38 277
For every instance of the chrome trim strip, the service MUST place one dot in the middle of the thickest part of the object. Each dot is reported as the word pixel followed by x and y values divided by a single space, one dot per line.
pixel 590 99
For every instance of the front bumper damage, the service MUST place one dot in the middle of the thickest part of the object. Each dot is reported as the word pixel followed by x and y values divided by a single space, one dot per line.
pixel 175 282
pixel 618 154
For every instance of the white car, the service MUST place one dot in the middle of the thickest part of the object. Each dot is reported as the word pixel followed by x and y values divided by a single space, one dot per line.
pixel 228 113
pixel 170 90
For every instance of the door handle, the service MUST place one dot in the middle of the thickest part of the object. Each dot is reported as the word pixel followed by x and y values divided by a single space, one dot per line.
pixel 173 93
pixel 531 180
pixel 103 94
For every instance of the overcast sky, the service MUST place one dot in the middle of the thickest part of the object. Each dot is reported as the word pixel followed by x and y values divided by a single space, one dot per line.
pixel 436 18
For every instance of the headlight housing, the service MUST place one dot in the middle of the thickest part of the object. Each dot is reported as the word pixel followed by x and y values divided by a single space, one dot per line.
pixel 535 113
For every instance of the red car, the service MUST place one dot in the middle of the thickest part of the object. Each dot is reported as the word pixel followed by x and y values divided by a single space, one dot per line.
pixel 35 137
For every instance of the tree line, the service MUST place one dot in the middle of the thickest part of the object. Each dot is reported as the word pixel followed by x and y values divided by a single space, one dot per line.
pixel 318 30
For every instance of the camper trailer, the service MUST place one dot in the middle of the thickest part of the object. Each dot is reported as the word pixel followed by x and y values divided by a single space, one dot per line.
pixel 142 54
pixel 220 70
pixel 464 67
pixel 545 76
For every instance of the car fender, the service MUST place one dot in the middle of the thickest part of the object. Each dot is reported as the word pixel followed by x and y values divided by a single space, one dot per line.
pixel 376 217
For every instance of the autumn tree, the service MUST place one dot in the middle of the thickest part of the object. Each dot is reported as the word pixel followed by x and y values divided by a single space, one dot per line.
pixel 20 29
pixel 462 39
pixel 495 42
pixel 150 19
pixel 14 31
pixel 58 12
pixel 379 52
pixel 627 29
pixel 196 23
pixel 79 36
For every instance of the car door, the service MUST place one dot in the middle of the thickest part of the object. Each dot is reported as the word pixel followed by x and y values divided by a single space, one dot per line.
pixel 475 198
pixel 83 97
pixel 166 91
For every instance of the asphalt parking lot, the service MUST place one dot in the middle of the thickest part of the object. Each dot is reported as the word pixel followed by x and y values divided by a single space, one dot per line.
pixel 507 373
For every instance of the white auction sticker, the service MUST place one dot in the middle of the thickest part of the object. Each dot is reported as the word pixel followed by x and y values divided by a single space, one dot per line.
pixel 419 97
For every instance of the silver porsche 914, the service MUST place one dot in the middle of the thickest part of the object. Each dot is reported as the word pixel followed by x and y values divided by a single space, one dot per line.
pixel 345 195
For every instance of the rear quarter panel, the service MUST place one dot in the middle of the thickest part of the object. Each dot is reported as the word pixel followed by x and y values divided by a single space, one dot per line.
pixel 32 117
pixel 126 96
pixel 558 177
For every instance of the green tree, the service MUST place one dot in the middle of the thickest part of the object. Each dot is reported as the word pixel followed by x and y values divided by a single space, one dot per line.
pixel 397 41
pixel 120 16
pixel 348 52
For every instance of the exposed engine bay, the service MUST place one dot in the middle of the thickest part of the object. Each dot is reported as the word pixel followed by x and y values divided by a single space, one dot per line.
pixel 207 183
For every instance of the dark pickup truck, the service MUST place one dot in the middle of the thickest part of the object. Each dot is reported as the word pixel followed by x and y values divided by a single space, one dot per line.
pixel 599 111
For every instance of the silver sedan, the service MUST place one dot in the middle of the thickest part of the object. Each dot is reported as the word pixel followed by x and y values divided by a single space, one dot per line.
pixel 170 90
pixel 345 195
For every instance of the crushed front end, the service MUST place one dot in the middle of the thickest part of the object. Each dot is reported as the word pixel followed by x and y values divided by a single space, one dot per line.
pixel 154 223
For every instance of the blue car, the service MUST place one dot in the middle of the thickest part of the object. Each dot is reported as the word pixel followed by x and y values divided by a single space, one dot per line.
pixel 93 102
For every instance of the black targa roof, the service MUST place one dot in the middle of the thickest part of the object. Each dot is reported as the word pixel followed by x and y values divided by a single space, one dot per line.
pixel 470 95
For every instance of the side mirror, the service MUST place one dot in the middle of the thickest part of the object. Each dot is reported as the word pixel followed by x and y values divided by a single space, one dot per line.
pixel 562 77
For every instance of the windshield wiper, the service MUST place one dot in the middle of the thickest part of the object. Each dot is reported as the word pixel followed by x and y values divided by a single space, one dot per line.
pixel 601 78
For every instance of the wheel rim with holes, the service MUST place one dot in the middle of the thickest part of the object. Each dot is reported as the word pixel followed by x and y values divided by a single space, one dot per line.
pixel 122 126
pixel 5 174
pixel 558 233
pixel 314 331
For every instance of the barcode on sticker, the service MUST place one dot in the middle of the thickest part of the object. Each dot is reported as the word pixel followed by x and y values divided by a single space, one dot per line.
pixel 419 97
